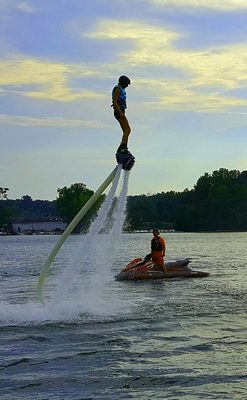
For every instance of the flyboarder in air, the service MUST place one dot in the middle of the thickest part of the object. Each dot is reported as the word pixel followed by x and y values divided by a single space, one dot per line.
pixel 119 105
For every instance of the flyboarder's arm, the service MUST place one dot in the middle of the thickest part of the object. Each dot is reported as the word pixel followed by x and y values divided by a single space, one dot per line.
pixel 164 251
pixel 115 98
pixel 163 254
pixel 163 243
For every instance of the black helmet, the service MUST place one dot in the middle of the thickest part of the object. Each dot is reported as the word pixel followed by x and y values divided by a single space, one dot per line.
pixel 123 79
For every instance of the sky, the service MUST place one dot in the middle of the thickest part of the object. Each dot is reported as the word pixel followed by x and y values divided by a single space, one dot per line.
pixel 59 60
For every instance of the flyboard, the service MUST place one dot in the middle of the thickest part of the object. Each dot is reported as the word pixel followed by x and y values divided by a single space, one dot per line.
pixel 127 161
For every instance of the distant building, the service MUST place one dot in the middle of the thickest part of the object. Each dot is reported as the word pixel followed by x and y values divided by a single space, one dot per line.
pixel 39 226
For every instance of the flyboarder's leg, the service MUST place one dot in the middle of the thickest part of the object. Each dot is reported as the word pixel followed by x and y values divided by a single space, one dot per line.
pixel 123 155
pixel 124 123
pixel 157 258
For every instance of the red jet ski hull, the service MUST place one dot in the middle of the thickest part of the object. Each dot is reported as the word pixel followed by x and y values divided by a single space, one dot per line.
pixel 138 270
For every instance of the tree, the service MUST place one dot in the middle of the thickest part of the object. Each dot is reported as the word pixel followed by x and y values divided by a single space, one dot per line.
pixel 6 215
pixel 3 193
pixel 71 200
pixel 221 200
pixel 218 201
pixel 26 197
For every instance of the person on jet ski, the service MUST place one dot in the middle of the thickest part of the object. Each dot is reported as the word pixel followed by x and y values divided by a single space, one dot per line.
pixel 119 106
pixel 158 249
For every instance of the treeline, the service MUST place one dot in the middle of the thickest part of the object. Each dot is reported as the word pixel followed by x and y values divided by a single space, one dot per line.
pixel 65 207
pixel 26 208
pixel 218 201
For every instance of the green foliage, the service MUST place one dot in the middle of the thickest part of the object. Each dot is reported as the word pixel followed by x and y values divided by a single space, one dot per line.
pixel 26 208
pixel 27 198
pixel 3 193
pixel 71 200
pixel 6 214
pixel 217 202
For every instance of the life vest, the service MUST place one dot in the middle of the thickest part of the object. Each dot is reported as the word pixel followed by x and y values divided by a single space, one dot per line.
pixel 156 244
pixel 122 98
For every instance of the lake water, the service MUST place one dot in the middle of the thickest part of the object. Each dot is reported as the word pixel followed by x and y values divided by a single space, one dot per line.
pixel 96 338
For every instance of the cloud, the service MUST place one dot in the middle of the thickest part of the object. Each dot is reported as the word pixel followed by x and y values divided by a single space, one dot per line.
pixel 198 79
pixel 47 80
pixel 61 122
pixel 26 8
pixel 7 7
pixel 207 74
pixel 63 94
pixel 223 5
pixel 155 46
pixel 132 30
pixel 175 95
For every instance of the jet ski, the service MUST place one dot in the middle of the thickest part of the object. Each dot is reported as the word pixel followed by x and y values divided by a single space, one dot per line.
pixel 144 269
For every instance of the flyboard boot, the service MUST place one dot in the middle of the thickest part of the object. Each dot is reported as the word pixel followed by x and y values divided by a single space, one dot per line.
pixel 124 157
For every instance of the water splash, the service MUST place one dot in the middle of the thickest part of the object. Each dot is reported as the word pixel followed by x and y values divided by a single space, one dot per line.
pixel 86 286
pixel 85 254
pixel 86 278
pixel 100 221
